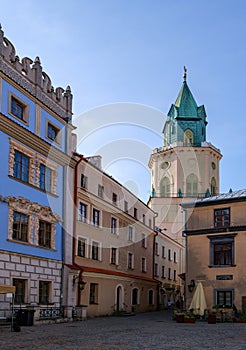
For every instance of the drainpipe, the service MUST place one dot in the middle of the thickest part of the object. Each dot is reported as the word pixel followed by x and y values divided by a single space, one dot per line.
pixel 186 258
pixel 158 285
pixel 75 195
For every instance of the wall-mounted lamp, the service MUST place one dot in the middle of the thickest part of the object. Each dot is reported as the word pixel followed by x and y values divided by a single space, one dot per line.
pixel 191 286
pixel 81 283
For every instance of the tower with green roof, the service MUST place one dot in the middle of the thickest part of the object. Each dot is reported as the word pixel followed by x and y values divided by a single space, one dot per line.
pixel 186 166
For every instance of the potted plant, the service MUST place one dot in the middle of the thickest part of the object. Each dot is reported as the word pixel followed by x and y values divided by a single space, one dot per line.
pixel 189 318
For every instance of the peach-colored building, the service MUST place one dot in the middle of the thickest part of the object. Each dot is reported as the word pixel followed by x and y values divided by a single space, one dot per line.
pixel 168 267
pixel 113 247
pixel 216 239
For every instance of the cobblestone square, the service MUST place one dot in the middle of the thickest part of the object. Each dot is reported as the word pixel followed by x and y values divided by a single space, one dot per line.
pixel 154 330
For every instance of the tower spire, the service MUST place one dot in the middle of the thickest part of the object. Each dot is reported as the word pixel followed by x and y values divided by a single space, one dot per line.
pixel 185 73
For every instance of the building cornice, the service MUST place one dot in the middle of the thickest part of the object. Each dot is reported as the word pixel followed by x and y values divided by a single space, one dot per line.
pixel 215 230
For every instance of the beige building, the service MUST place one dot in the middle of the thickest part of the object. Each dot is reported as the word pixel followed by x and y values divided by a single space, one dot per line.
pixel 216 238
pixel 168 267
pixel 113 247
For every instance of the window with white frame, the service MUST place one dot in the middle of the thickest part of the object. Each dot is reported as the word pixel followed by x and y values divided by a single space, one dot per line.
pixel 82 247
pixel 130 261
pixel 114 256
pixel 163 252
pixel 95 251
pixel 100 191
pixel 163 271
pixel 44 292
pixel 21 166
pixel 44 234
pixel 143 265
pixel 156 248
pixel 95 217
pixel 20 290
pixel 169 273
pixel 93 293
pixel 125 206
pixel 53 133
pixel 45 178
pixel 113 225
pixel 144 242
pixel 82 212
pixel 169 255
pixel 130 234
pixel 83 181
pixel 175 257
pixel 156 268
pixel 114 198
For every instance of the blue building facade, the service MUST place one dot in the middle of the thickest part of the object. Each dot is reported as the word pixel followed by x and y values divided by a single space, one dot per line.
pixel 36 211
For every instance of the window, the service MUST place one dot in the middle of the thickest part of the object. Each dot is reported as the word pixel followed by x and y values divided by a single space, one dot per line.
pixel 144 244
pixel 114 198
pixel 156 270
pixel 20 227
pixel 82 247
pixel 135 213
pixel 21 166
pixel 163 271
pixel 113 225
pixel 125 206
pixel 83 181
pixel 222 217
pixel 165 187
pixel 82 212
pixel 169 255
pixel 192 185
pixel 20 291
pixel 44 234
pixel 45 178
pixel 151 297
pixel 143 219
pixel 222 250
pixel 44 292
pixel 143 265
pixel 93 293
pixel 163 252
pixel 213 186
pixel 156 248
pixel 100 191
pixel 150 223
pixel 130 233
pixel 188 137
pixel 95 217
pixel 113 259
pixel 134 296
pixel 130 261
pixel 52 132
pixel 224 297
pixel 174 275
pixel 95 251
pixel 169 273
pixel 175 257
pixel 18 108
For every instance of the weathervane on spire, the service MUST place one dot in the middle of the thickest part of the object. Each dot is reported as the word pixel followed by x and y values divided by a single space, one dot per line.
pixel 185 70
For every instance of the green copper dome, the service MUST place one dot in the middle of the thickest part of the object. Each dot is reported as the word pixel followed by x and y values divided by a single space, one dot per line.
pixel 186 122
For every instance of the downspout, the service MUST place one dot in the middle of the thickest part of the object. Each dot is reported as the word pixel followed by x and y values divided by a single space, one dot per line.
pixel 153 275
pixel 186 258
pixel 75 196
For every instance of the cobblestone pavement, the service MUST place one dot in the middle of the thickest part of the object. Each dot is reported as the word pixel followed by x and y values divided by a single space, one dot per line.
pixel 149 331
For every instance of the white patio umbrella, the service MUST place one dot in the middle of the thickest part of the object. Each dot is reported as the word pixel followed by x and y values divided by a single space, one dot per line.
pixel 198 302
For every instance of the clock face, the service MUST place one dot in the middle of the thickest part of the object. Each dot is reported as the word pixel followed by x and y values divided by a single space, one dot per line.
pixel 213 165
pixel 165 165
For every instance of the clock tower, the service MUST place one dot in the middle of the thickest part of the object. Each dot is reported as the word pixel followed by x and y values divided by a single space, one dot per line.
pixel 186 167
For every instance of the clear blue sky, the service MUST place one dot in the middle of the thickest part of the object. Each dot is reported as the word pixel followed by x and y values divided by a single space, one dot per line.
pixel 133 52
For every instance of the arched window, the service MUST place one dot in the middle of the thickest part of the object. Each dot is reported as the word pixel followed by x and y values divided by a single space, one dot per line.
pixel 192 185
pixel 151 297
pixel 165 187
pixel 213 186
pixel 134 296
pixel 188 137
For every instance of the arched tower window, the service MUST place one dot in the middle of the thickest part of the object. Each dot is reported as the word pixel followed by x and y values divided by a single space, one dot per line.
pixel 192 185
pixel 165 187
pixel 213 186
pixel 188 137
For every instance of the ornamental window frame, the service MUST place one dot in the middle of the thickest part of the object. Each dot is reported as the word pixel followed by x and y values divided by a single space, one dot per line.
pixel 48 164
pixel 36 213
pixel 17 147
